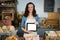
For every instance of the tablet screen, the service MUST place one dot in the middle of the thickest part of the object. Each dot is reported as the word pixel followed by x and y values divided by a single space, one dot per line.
pixel 31 26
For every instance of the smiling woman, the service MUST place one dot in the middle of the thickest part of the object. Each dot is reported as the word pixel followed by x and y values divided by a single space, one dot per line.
pixel 30 16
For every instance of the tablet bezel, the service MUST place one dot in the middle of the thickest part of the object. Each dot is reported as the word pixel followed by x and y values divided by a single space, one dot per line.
pixel 31 23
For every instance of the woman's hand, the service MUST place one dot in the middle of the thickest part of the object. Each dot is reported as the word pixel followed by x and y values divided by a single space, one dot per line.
pixel 36 23
pixel 28 31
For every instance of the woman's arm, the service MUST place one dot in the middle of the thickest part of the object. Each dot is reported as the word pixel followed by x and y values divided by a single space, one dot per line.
pixel 37 18
pixel 23 24
pixel 37 21
pixel 25 30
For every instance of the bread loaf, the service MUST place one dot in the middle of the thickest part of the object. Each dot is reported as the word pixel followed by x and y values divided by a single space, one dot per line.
pixel 11 38
pixel 1 29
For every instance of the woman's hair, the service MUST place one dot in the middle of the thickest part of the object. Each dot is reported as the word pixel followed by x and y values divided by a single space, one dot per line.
pixel 27 12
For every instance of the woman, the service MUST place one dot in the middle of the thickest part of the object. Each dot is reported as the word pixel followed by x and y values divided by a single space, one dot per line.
pixel 30 16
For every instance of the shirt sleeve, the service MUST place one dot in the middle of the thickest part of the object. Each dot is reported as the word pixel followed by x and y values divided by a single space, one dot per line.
pixel 37 19
pixel 23 22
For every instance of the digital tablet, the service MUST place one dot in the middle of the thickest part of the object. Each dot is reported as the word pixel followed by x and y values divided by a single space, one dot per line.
pixel 31 26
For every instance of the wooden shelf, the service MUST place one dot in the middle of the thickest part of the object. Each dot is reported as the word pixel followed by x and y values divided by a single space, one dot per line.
pixel 6 0
pixel 7 6
pixel 53 22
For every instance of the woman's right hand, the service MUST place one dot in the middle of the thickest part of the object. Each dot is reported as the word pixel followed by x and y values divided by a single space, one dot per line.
pixel 28 31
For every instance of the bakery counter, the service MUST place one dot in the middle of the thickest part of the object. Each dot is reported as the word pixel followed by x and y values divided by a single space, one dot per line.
pixel 4 35
pixel 52 35
pixel 41 31
pixel 6 31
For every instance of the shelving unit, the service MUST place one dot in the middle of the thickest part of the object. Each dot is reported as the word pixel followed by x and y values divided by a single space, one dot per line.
pixel 59 22
pixel 7 6
pixel 59 16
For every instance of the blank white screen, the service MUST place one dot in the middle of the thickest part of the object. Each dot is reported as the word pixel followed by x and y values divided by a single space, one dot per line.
pixel 31 27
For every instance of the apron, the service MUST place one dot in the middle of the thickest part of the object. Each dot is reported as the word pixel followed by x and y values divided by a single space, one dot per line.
pixel 32 35
pixel 29 21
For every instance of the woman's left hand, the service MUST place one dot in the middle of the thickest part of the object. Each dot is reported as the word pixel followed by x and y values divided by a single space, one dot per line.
pixel 36 23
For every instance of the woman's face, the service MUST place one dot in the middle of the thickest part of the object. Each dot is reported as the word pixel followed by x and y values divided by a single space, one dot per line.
pixel 30 8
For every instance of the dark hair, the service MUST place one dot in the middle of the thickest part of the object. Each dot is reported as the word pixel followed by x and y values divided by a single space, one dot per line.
pixel 27 12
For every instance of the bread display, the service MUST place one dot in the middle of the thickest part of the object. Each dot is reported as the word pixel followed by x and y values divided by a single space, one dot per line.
pixel 11 38
pixel 11 28
pixel 1 30
pixel 8 28
pixel 4 29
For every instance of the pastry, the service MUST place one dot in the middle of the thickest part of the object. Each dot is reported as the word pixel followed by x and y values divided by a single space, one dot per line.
pixel 11 28
pixel 1 29
pixel 4 28
pixel 11 38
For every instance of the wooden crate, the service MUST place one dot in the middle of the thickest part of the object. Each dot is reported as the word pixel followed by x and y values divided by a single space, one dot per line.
pixel 53 22
pixel 59 10
pixel 59 16
pixel 8 14
pixel 53 15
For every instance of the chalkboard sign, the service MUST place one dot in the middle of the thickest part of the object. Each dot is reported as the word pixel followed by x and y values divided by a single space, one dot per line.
pixel 49 5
